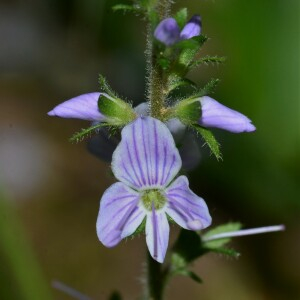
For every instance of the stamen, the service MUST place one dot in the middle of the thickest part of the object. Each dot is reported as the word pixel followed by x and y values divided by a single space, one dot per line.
pixel 244 232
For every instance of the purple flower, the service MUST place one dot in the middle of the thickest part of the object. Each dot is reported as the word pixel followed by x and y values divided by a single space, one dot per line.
pixel 83 107
pixel 217 115
pixel 192 28
pixel 168 31
pixel 146 162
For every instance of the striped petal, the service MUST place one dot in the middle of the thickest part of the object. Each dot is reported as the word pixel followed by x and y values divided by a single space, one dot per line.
pixel 83 107
pixel 157 234
pixel 186 208
pixel 119 215
pixel 146 156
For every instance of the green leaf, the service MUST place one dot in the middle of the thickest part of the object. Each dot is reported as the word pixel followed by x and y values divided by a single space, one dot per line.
pixel 220 229
pixel 86 132
pixel 210 140
pixel 225 251
pixel 175 82
pixel 187 273
pixel 208 59
pixel 124 7
pixel 207 89
pixel 181 17
pixel 106 87
pixel 189 48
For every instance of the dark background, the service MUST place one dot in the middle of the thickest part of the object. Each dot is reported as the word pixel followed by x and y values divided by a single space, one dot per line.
pixel 53 50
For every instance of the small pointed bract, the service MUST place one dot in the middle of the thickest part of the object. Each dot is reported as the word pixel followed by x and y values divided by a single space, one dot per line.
pixel 167 31
pixel 84 107
pixel 192 28
pixel 146 162
pixel 217 115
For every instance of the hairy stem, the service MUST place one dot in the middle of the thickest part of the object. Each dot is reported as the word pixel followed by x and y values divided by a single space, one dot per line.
pixel 156 81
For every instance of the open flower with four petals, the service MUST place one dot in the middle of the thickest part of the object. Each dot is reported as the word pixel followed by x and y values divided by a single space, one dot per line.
pixel 146 163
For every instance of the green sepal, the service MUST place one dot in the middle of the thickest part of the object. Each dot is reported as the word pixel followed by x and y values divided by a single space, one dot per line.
pixel 174 82
pixel 104 86
pixel 86 132
pixel 207 60
pixel 188 49
pixel 117 111
pixel 210 140
pixel 232 226
pixel 181 17
pixel 188 111
pixel 207 89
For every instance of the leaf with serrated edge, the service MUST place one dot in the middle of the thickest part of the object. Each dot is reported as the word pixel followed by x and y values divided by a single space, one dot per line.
pixel 85 133
pixel 210 140
pixel 181 17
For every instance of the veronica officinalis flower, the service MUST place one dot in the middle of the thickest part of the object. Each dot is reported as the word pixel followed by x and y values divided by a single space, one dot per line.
pixel 146 163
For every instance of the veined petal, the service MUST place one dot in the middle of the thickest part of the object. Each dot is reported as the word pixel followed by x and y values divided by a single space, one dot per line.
pixel 186 208
pixel 83 107
pixel 157 234
pixel 167 31
pixel 217 115
pixel 119 215
pixel 192 28
pixel 146 156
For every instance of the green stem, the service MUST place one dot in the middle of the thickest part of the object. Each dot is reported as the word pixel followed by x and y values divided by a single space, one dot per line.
pixel 156 84
pixel 155 279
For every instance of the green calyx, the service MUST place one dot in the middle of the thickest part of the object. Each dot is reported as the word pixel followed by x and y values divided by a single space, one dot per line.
pixel 188 111
pixel 153 197
pixel 117 111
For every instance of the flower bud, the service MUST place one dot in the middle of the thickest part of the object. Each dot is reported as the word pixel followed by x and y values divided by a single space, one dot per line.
pixel 84 107
pixel 192 28
pixel 217 115
pixel 167 31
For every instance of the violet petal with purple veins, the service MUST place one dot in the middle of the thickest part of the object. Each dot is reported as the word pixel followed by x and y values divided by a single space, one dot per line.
pixel 146 162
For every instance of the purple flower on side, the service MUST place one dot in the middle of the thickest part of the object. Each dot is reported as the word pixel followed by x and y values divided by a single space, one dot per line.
pixel 168 31
pixel 217 115
pixel 83 107
pixel 146 163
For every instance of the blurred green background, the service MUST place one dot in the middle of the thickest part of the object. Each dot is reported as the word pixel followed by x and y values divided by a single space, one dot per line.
pixel 52 50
